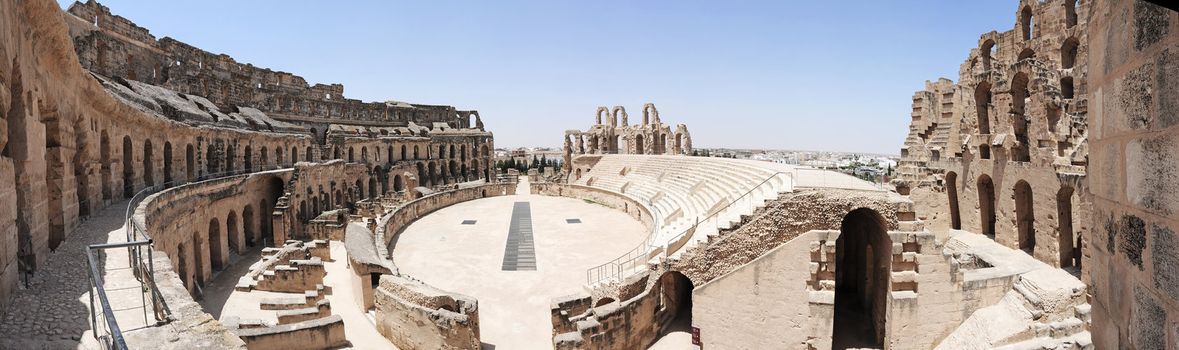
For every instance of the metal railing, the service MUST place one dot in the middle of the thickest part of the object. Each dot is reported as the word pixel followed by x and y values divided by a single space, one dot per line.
pixel 630 260
pixel 638 257
pixel 103 321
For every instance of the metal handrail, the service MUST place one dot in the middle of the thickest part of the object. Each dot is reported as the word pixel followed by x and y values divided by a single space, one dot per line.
pixel 614 268
pixel 138 238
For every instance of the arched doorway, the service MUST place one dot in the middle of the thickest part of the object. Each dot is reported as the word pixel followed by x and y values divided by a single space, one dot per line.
pixel 398 184
pixel 128 169
pixel 986 205
pixel 189 163
pixel 1069 256
pixel 249 158
pixel 673 308
pixel 863 255
pixel 234 235
pixel 372 187
pixel 216 254
pixel 251 232
pixel 104 150
pixel 952 193
pixel 167 163
pixel 639 144
pixel 148 165
pixel 1025 217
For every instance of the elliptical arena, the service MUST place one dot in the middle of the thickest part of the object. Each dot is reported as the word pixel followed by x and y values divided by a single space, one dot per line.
pixel 156 195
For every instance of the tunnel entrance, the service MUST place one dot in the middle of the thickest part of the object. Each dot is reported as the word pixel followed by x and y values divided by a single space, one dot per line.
pixel 863 258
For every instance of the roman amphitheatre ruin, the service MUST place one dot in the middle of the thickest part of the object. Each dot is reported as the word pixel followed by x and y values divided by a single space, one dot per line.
pixel 154 195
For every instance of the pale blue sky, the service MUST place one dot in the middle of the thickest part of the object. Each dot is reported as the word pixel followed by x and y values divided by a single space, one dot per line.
pixel 815 75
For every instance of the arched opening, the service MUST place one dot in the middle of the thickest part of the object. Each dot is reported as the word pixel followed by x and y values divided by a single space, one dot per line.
pixel 231 231
pixel 639 144
pixel 863 260
pixel 613 144
pixel 577 175
pixel 1026 54
pixel 200 259
pixel 336 153
pixel 217 256
pixel 1069 252
pixel 167 163
pixel 1066 87
pixel 128 169
pixel 104 150
pixel 1025 22
pixel 434 174
pixel 1070 13
pixel 275 190
pixel 982 103
pixel 986 205
pixel 308 154
pixel 416 155
pixel 372 187
pixel 1019 94
pixel 398 184
pixel 452 154
pixel 278 160
pixel 1025 217
pixel 248 158
pixel 189 163
pixel 294 155
pixel 389 153
pixel 952 193
pixel 673 309
pixel 987 51
pixel 249 226
pixel 679 143
pixel 263 156
pixel 229 157
pixel 148 165
pixel 351 155
pixel 1068 53
pixel 403 152
pixel 364 154
pixel 182 265
pixel 423 180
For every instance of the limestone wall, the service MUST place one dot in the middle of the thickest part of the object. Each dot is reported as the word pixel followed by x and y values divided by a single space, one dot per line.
pixel 1016 119
pixel 1134 270
pixel 414 315
pixel 393 223
pixel 320 333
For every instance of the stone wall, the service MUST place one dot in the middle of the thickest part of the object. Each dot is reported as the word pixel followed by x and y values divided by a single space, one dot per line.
pixel 320 333
pixel 414 315
pixel 630 206
pixel 649 137
pixel 1134 271
pixel 1003 151
pixel 393 223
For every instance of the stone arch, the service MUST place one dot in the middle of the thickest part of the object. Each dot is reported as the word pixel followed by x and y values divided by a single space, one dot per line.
pixel 167 163
pixel 1019 93
pixel 987 51
pixel 236 238
pixel 398 183
pixel 434 174
pixel 264 157
pixel 249 226
pixel 200 259
pixel 673 308
pixel 679 143
pixel 248 158
pixel 1025 22
pixel 982 104
pixel 1068 53
pixel 1025 217
pixel 230 155
pixel 453 170
pixel 416 154
pixel 423 180
pixel 308 154
pixel 351 154
pixel 364 154
pixel 372 187
pixel 217 246
pixel 189 162
pixel 403 152
pixel 863 255
pixel 639 144
pixel 104 150
pixel 1026 53
pixel 128 168
pixel 617 112
pixel 952 193
pixel 294 155
pixel 602 110
pixel 389 154
pixel 278 158
pixel 452 153
pixel 1069 252
pixel 1070 13
pixel 986 205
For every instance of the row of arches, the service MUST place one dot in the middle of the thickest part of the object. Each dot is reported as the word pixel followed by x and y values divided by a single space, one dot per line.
pixel 1024 210
pixel 394 153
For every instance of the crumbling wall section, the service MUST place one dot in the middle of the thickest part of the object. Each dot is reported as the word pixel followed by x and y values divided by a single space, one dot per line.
pixel 414 315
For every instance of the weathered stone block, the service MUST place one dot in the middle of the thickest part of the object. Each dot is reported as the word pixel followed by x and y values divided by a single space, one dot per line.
pixel 1152 175
pixel 1150 24
pixel 1147 330
pixel 1132 238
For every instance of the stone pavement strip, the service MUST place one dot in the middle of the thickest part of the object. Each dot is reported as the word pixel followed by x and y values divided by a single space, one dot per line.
pixel 53 312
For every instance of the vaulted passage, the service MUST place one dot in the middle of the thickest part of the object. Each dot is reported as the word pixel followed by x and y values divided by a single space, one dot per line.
pixel 167 162
pixel 1069 249
pixel 952 193
pixel 673 309
pixel 104 150
pixel 863 255
pixel 986 205
pixel 1025 217
pixel 128 169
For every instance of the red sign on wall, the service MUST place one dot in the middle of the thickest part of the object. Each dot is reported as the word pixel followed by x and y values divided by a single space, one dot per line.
pixel 696 336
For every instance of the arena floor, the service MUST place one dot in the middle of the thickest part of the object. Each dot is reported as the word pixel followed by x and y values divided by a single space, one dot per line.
pixel 469 259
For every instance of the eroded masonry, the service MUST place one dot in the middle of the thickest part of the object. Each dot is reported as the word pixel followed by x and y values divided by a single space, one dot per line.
pixel 155 195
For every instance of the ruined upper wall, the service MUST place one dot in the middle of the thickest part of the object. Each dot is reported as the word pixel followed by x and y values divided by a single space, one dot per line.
pixel 113 46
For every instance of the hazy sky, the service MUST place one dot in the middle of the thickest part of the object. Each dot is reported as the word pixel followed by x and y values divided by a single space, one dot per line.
pixel 816 75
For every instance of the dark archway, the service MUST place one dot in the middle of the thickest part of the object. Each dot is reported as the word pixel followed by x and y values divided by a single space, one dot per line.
pixel 1069 256
pixel 372 187
pixel 952 193
pixel 639 144
pixel 986 205
pixel 982 103
pixel 1025 217
pixel 128 169
pixel 248 158
pixel 398 183
pixel 217 256
pixel 148 165
pixel 673 309
pixel 1025 22
pixel 200 259
pixel 104 150
pixel 189 162
pixel 229 157
pixel 249 226
pixel 167 163
pixel 232 232
pixel 863 255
